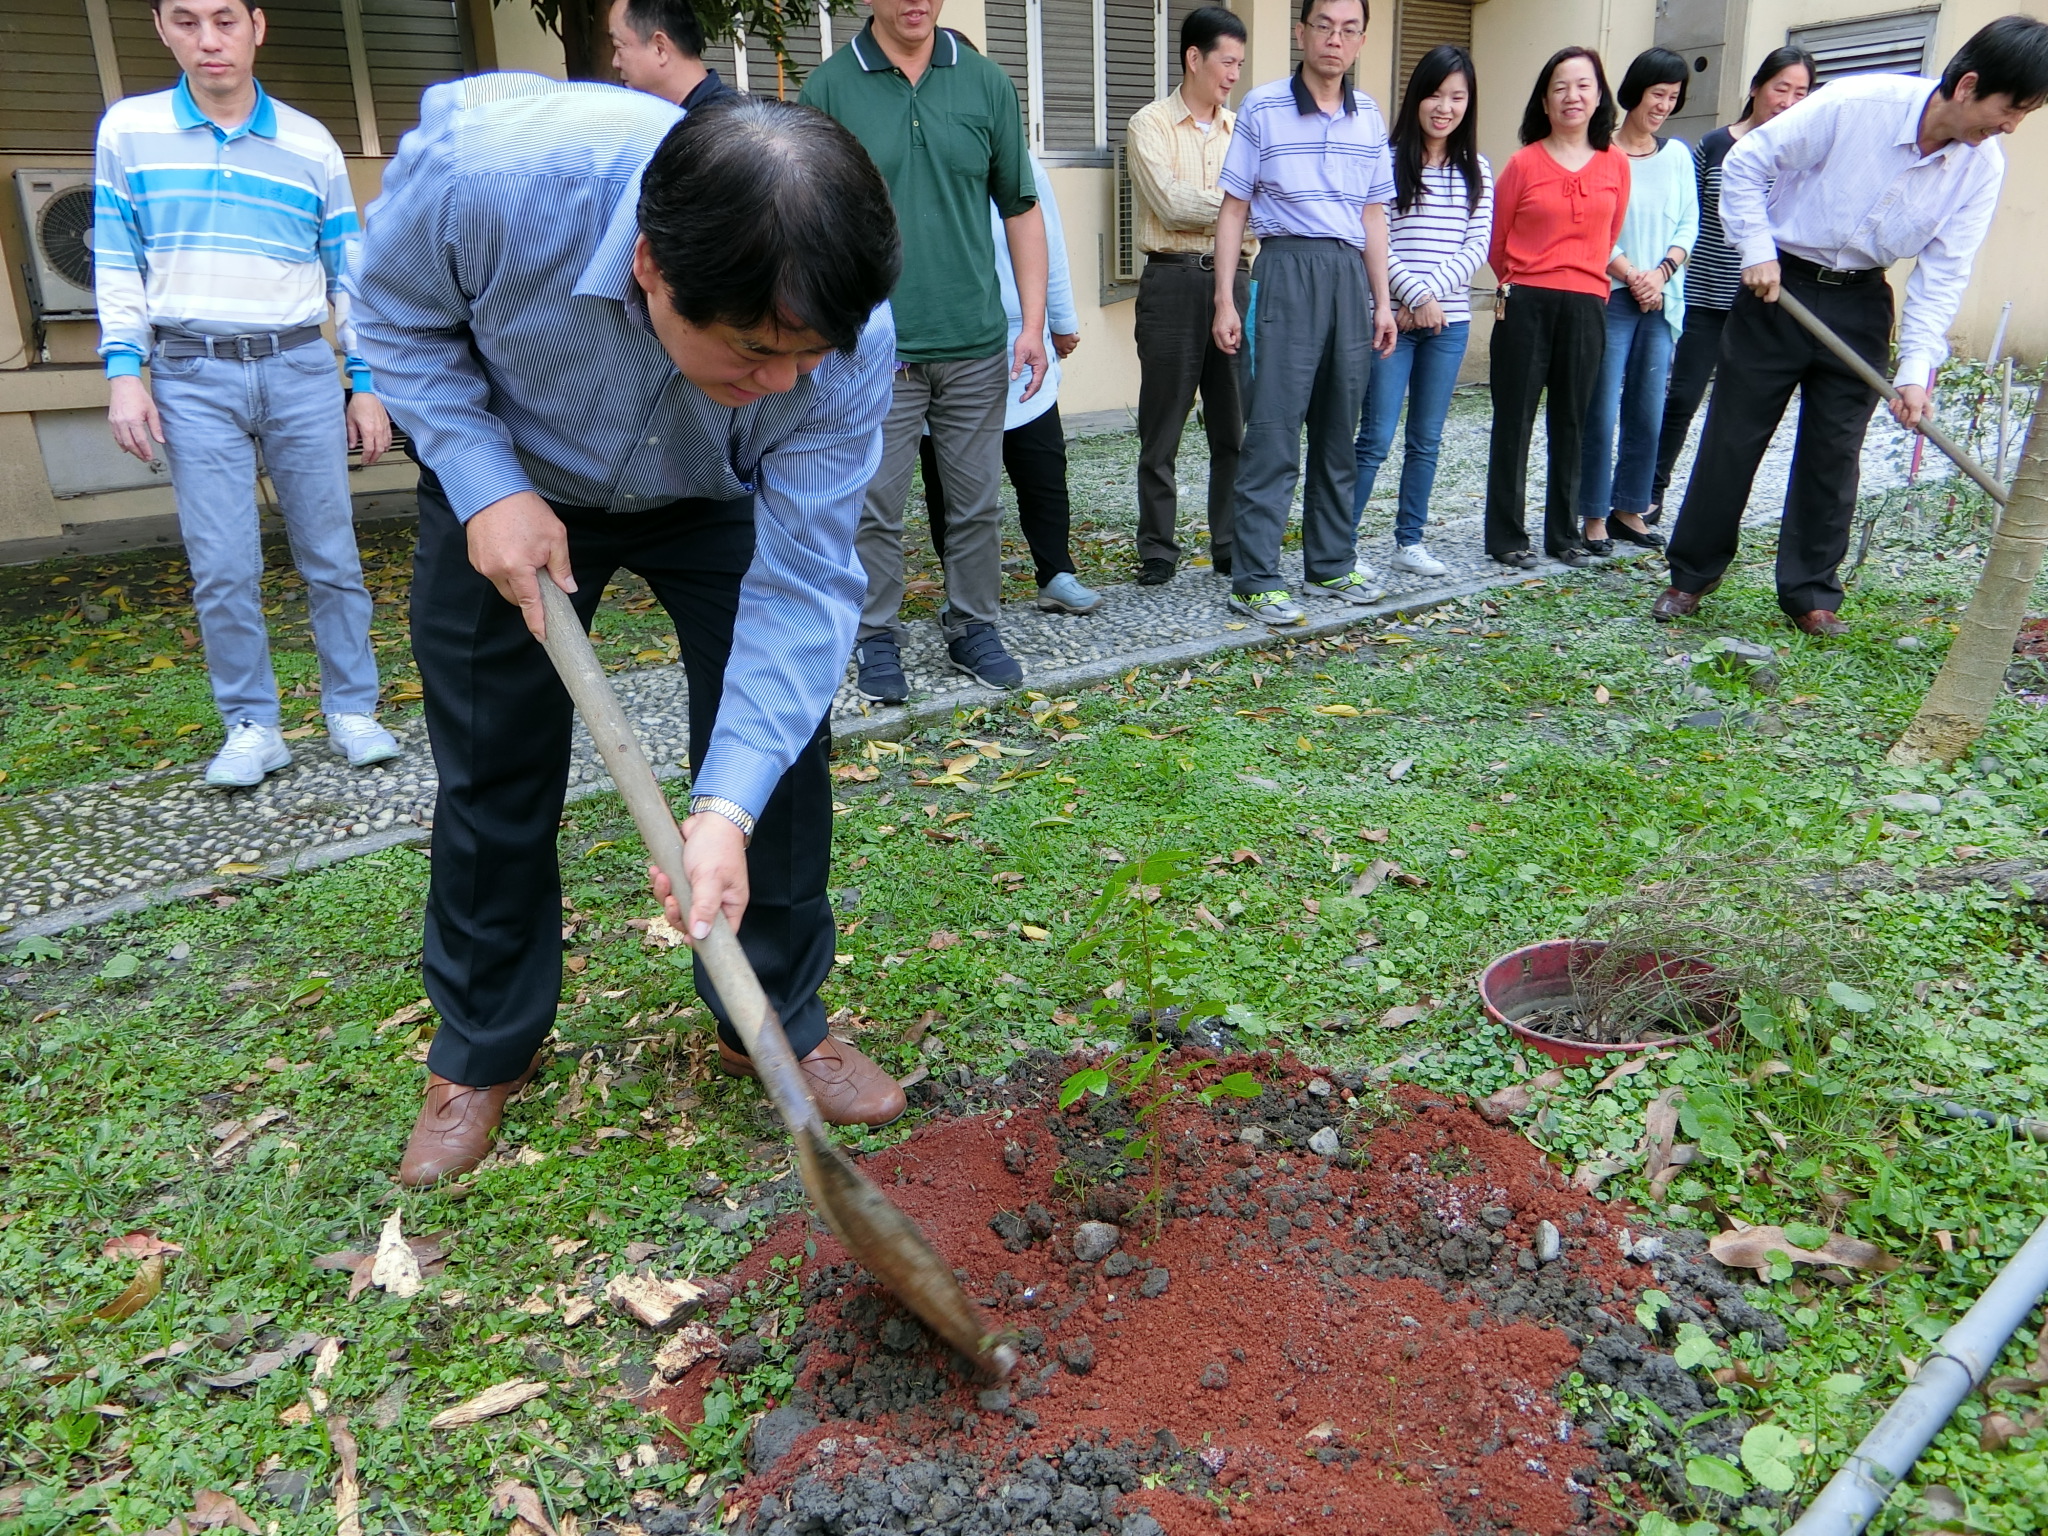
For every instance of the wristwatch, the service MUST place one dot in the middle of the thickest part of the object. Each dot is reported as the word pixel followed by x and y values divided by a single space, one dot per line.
pixel 731 810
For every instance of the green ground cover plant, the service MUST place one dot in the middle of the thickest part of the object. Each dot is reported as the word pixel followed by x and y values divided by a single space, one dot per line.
pixel 1370 819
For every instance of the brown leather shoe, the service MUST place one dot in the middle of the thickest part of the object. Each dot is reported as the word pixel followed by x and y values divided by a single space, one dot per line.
pixel 455 1128
pixel 1820 623
pixel 848 1088
pixel 1674 604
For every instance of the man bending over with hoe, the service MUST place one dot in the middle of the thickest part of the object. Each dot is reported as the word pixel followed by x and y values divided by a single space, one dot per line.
pixel 623 342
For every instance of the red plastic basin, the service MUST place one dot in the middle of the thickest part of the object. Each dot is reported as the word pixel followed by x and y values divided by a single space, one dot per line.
pixel 1539 976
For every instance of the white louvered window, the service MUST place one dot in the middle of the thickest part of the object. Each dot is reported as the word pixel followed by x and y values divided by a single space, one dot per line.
pixel 1898 44
pixel 1082 67
pixel 1420 25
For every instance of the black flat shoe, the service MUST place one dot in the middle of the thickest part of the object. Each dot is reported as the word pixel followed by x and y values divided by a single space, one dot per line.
pixel 1520 559
pixel 1577 559
pixel 1640 537
pixel 1601 547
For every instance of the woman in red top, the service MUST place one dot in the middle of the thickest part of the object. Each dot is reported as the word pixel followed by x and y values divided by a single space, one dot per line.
pixel 1557 212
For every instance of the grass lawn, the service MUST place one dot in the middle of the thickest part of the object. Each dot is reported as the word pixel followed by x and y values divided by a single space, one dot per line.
pixel 221 1076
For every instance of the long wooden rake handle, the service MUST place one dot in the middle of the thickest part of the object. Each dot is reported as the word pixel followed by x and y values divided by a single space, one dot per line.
pixel 1825 335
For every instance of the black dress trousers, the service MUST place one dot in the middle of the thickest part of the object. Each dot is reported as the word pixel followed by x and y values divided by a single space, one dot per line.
pixel 499 720
pixel 1546 348
pixel 1765 355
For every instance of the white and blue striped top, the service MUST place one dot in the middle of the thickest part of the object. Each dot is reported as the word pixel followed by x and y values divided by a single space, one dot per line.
pixel 217 231
pixel 1436 246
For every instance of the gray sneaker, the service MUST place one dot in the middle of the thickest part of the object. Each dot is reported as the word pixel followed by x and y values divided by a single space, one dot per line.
pixel 1354 586
pixel 361 740
pixel 1065 594
pixel 251 751
pixel 1275 608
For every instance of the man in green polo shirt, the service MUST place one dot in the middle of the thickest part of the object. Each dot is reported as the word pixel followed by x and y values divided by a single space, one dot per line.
pixel 943 126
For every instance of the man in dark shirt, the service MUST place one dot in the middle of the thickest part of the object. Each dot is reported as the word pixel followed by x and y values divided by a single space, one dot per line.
pixel 658 47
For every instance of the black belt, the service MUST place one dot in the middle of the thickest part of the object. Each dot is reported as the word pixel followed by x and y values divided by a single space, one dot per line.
pixel 238 348
pixel 1204 259
pixel 1832 277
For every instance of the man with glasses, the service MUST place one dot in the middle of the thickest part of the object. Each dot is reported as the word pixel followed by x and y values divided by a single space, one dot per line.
pixel 1309 169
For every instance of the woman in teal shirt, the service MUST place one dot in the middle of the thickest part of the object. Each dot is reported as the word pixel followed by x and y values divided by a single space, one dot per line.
pixel 1645 308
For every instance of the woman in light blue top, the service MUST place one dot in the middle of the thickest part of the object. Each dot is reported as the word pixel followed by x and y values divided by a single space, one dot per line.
pixel 1034 441
pixel 1645 309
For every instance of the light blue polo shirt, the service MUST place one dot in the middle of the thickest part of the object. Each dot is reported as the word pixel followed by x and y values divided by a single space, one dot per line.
pixel 1306 172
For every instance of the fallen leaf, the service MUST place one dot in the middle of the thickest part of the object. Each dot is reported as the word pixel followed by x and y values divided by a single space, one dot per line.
pixel 347 1491
pixel 136 1245
pixel 663 934
pixel 1400 770
pixel 1595 1172
pixel 141 1291
pixel 1375 874
pixel 1750 1247
pixel 1995 1431
pixel 1034 933
pixel 859 773
pixel 1374 834
pixel 411 1013
pixel 575 965
pixel 1246 856
pixel 562 1247
pixel 235 1134
pixel 1630 1068
pixel 690 1343
pixel 168 1352
pixel 325 1357
pixel 576 1309
pixel 1209 918
pixel 525 1507
pixel 212 1509
pixel 237 867
pixel 488 1404
pixel 1515 1100
pixel 966 764
pixel 394 1269
pixel 300 1412
pixel 1341 711
pixel 942 940
pixel 1660 1131
pixel 261 1365
pixel 1601 695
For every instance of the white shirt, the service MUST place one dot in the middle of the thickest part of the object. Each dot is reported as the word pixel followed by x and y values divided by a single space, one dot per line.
pixel 1852 190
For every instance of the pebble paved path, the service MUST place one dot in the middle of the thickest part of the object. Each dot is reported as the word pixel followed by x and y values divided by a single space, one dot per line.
pixel 82 854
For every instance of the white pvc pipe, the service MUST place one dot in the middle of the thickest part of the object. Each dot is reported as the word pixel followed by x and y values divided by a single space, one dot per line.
pixel 1963 1358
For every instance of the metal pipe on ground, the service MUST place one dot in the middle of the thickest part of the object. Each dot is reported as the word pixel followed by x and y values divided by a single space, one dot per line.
pixel 1959 1363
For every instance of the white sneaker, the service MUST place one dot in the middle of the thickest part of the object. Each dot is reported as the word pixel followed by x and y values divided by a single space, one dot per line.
pixel 252 750
pixel 1417 561
pixel 361 740
pixel 1354 586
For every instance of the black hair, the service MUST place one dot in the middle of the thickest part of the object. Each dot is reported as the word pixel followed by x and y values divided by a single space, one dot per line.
pixel 2009 58
pixel 1653 66
pixel 1599 127
pixel 678 18
pixel 1205 28
pixel 1775 63
pixel 1308 9
pixel 1461 149
pixel 766 212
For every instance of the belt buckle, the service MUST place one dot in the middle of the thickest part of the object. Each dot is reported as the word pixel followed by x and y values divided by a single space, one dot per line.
pixel 242 348
pixel 1830 276
pixel 1206 261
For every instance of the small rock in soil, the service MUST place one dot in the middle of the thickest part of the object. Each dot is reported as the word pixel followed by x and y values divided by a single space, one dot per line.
pixel 1078 1354
pixel 1216 1376
pixel 1644 1249
pixel 1140 1524
pixel 775 1432
pixel 1154 1284
pixel 1118 1264
pixel 1549 1243
pixel 1324 1143
pixel 1252 1136
pixel 1095 1240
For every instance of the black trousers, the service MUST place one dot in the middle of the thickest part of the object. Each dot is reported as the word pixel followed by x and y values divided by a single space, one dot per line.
pixel 1546 347
pixel 1035 459
pixel 1765 355
pixel 499 720
pixel 1176 357
pixel 1692 369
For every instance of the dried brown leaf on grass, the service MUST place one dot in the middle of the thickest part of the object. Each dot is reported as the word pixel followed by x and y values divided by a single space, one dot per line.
pixel 1631 1067
pixel 262 1364
pixel 1751 1247
pixel 140 1292
pixel 1517 1098
pixel 233 1135
pixel 136 1245
pixel 347 1491
pixel 524 1505
pixel 488 1404
pixel 211 1509
pixel 1594 1172
pixel 1376 873
pixel 411 1013
pixel 1660 1132
pixel 1403 1016
pixel 1995 1431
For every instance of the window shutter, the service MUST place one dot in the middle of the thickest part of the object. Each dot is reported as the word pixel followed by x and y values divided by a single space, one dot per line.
pixel 1419 25
pixel 410 45
pixel 1069 52
pixel 49 85
pixel 800 42
pixel 1895 44
pixel 303 61
pixel 719 56
pixel 1009 47
pixel 1133 56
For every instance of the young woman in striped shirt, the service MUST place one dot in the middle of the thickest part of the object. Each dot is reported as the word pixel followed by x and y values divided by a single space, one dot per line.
pixel 1442 219
pixel 1714 275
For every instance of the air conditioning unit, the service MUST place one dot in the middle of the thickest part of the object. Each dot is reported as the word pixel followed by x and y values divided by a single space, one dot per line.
pixel 56 210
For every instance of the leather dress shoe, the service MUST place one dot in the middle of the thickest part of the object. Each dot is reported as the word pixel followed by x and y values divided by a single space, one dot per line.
pixel 1674 604
pixel 1820 622
pixel 455 1128
pixel 848 1088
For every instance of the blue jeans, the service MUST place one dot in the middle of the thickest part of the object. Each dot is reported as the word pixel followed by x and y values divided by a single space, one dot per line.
pixel 1633 373
pixel 1422 370
pixel 216 413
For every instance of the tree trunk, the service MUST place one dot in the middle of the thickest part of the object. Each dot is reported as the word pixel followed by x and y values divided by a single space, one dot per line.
pixel 1958 703
pixel 586 40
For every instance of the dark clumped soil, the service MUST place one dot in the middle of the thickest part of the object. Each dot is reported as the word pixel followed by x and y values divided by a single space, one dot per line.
pixel 1365 1341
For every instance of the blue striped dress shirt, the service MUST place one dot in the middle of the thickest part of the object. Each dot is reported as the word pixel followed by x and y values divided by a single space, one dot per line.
pixel 496 301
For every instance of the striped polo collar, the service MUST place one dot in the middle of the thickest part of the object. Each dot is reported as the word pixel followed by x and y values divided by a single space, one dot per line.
pixel 868 52
pixel 186 114
pixel 1305 104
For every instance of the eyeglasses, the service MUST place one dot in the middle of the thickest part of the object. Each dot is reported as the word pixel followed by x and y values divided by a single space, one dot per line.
pixel 1326 31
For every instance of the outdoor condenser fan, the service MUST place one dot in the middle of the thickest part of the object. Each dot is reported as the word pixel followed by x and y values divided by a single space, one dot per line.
pixel 64 235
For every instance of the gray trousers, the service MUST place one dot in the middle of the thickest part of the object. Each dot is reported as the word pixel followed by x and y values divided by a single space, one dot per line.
pixel 963 405
pixel 1310 332
pixel 1177 356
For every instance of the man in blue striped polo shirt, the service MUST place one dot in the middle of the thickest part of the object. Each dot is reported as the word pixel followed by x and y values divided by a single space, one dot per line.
pixel 222 227
pixel 1309 169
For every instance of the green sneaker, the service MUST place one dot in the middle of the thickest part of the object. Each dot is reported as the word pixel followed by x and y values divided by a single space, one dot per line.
pixel 1354 586
pixel 1275 608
